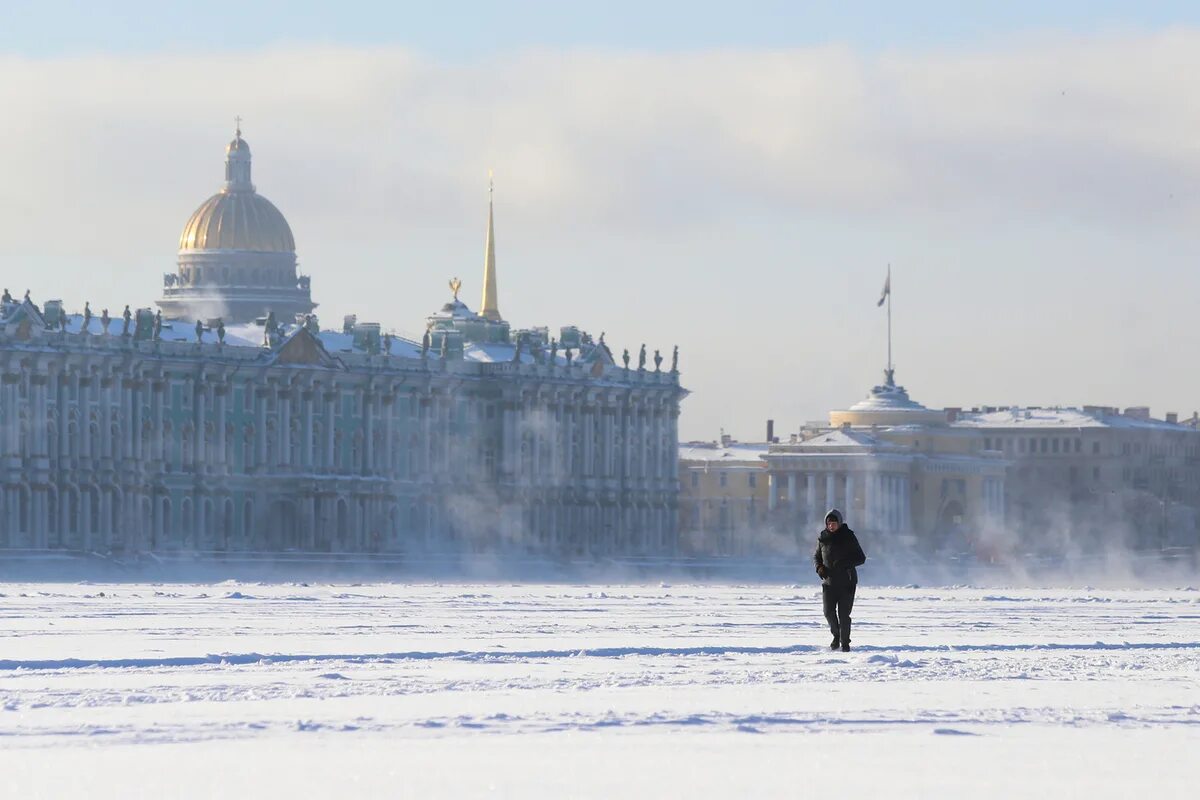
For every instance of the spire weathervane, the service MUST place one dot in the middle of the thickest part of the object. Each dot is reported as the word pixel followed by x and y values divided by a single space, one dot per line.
pixel 455 285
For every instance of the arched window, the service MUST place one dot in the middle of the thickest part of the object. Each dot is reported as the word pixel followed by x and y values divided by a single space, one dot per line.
pixel 226 524
pixel 166 519
pixel 185 522
pixel 247 522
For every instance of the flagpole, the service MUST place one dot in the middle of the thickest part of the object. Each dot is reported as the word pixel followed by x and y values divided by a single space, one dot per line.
pixel 889 284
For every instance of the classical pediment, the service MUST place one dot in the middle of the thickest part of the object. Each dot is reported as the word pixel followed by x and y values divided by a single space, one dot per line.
pixel 24 321
pixel 303 349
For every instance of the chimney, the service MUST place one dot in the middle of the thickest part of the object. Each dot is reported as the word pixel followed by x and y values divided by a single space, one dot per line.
pixel 1138 412
pixel 1172 418
pixel 952 414
pixel 770 431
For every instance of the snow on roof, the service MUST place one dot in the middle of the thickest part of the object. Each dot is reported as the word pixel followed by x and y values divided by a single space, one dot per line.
pixel 730 453
pixel 1060 418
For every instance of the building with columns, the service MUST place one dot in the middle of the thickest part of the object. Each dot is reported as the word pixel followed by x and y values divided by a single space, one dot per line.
pixel 896 470
pixel 261 431
pixel 723 498
pixel 992 482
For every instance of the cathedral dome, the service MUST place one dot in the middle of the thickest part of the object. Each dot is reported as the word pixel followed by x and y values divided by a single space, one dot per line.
pixel 237 221
pixel 237 217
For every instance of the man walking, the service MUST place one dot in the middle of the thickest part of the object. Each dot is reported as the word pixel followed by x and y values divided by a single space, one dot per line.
pixel 838 554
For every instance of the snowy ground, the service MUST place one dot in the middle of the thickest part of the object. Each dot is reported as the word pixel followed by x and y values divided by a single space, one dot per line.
pixel 389 690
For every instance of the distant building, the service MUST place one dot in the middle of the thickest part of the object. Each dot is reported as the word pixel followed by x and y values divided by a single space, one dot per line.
pixel 1083 478
pixel 234 423
pixel 894 468
pixel 990 481
pixel 722 498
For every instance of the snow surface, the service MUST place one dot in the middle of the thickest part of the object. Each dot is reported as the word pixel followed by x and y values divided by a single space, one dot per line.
pixel 390 690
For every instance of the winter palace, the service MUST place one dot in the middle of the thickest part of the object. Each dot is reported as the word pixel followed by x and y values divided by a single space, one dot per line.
pixel 229 420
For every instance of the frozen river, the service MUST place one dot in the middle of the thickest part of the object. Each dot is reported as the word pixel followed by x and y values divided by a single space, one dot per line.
pixel 392 690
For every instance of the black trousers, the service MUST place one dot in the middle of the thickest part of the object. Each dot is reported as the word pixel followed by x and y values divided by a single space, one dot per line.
pixel 838 602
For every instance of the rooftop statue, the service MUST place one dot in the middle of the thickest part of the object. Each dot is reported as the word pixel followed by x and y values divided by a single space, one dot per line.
pixel 425 344
pixel 87 316
pixel 553 350
pixel 642 358
pixel 657 361
pixel 7 298
pixel 387 344
pixel 675 359
pixel 455 285
pixel 104 322
pixel 126 316
pixel 221 330
pixel 567 353
pixel 157 330
pixel 625 357
pixel 269 330
pixel 199 331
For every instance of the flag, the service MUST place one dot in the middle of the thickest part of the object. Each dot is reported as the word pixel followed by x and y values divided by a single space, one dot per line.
pixel 887 289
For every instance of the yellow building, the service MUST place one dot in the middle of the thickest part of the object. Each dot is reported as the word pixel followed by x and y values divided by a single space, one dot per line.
pixel 722 497
pixel 898 472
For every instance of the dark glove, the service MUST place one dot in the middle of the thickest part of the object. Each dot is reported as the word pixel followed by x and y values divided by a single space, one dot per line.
pixel 822 571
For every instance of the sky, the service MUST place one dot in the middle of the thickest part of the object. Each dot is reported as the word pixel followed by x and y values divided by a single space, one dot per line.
pixel 734 180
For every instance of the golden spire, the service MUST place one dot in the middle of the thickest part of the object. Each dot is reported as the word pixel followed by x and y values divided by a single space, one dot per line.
pixel 489 308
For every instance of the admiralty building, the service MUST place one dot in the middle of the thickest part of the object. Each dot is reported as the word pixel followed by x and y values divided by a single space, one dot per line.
pixel 228 419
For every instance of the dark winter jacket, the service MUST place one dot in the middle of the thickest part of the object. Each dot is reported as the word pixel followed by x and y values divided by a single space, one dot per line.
pixel 839 553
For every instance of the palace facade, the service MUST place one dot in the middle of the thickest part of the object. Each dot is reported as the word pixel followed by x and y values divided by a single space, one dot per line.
pixel 231 421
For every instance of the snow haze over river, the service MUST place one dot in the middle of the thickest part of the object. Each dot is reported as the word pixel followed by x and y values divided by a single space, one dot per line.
pixel 394 690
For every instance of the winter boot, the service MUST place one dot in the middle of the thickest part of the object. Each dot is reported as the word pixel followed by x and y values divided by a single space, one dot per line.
pixel 846 647
pixel 835 644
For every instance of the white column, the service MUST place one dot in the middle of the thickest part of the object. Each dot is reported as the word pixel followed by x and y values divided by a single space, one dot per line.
pixel 895 493
pixel 309 398
pixel 328 458
pixel 159 389
pixel 869 493
pixel 830 489
pixel 791 489
pixel 850 496
pixel 283 439
pixel 810 496
pixel 881 503
pixel 222 393
pixel 368 464
pixel 260 428
pixel 771 491
pixel 198 450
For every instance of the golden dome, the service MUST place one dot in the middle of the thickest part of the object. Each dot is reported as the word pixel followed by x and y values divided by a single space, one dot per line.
pixel 237 221
pixel 237 217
